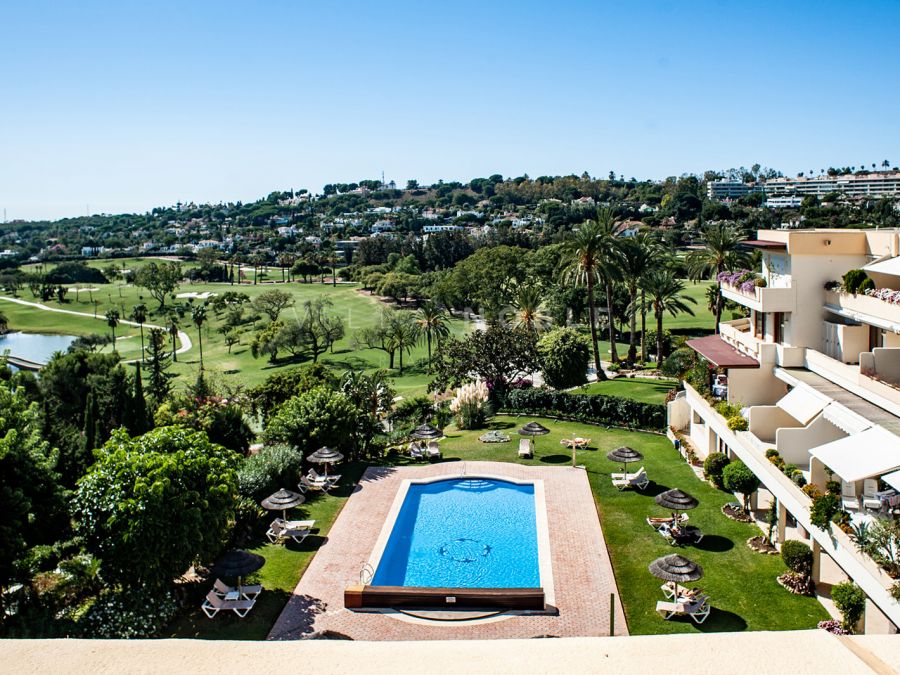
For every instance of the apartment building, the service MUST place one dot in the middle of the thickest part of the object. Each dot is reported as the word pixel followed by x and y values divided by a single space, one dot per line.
pixel 874 184
pixel 816 373
pixel 728 189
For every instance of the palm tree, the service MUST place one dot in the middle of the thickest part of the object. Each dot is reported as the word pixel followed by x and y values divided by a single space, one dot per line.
pixel 721 251
pixel 139 316
pixel 431 324
pixel 402 334
pixel 609 271
pixel 172 327
pixel 638 255
pixel 112 320
pixel 666 293
pixel 198 316
pixel 529 309
pixel 583 252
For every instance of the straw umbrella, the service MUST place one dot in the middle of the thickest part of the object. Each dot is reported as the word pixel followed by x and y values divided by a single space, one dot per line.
pixel 625 455
pixel 238 564
pixel 326 456
pixel 426 432
pixel 676 500
pixel 533 429
pixel 283 500
pixel 675 569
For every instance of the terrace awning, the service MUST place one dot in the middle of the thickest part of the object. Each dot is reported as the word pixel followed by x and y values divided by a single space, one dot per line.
pixel 873 452
pixel 890 266
pixel 718 352
pixel 893 479
pixel 803 405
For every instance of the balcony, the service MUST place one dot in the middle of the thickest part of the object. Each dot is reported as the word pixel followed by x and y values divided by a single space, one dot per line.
pixel 737 333
pixel 864 308
pixel 762 298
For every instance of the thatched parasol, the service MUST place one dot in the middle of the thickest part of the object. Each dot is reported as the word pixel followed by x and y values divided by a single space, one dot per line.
pixel 426 432
pixel 625 455
pixel 238 564
pixel 675 568
pixel 676 500
pixel 533 429
pixel 283 500
pixel 326 456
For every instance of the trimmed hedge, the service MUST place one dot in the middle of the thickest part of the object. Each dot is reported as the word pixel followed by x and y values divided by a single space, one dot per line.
pixel 593 408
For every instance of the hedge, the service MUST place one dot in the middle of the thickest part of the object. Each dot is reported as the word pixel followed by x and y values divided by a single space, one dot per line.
pixel 593 408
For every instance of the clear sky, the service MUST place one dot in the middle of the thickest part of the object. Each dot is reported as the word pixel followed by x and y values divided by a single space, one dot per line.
pixel 122 106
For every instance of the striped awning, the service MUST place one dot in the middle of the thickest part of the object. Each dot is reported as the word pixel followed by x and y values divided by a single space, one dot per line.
pixel 803 404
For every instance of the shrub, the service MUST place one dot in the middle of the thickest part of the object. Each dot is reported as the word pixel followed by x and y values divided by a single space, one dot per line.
pixel 727 410
pixel 274 467
pixel 471 405
pixel 895 591
pixel 832 626
pixel 133 613
pixel 772 452
pixel 596 408
pixel 564 355
pixel 833 487
pixel 853 281
pixel 797 556
pixel 811 490
pixel 313 419
pixel 738 477
pixel 738 423
pixel 713 466
pixel 823 509
pixel 850 601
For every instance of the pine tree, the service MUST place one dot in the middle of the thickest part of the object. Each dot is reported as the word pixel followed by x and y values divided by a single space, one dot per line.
pixel 139 420
pixel 158 380
pixel 91 431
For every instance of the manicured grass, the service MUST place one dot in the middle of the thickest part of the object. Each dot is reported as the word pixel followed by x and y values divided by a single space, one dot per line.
pixel 284 566
pixel 639 389
pixel 741 583
pixel 237 367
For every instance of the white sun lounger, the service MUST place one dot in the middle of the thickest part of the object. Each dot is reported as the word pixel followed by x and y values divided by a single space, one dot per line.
pixel 525 448
pixel 433 451
pixel 849 498
pixel 415 451
pixel 638 480
pixel 222 589
pixel 213 604
pixel 298 530
pixel 698 608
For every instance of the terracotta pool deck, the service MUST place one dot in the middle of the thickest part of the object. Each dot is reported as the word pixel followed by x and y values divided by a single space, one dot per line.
pixel 582 573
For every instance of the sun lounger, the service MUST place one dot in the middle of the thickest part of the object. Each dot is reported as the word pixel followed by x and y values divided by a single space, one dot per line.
pixel 697 608
pixel 639 480
pixel 525 448
pixel 213 604
pixel 433 451
pixel 628 476
pixel 415 451
pixel 222 589
pixel 656 523
pixel 849 498
pixel 315 477
pixel 681 535
pixel 298 530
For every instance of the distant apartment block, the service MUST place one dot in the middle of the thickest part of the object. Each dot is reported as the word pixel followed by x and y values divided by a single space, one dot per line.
pixel 875 184
pixel 787 202
pixel 429 229
pixel 728 189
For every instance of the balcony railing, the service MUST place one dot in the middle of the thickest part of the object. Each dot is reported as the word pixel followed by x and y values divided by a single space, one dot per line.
pixel 863 308
pixel 762 298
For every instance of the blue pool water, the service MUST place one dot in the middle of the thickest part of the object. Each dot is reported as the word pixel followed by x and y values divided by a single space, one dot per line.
pixel 463 533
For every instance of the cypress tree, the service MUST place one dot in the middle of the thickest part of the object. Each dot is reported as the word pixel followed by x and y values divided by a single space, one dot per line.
pixel 91 428
pixel 139 422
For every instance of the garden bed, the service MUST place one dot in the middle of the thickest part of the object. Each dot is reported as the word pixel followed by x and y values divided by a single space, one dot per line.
pixel 736 512
pixel 761 545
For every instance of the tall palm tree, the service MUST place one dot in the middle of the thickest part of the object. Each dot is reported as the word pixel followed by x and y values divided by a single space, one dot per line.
pixel 172 328
pixel 638 255
pixel 198 316
pixel 666 294
pixel 721 250
pixel 609 271
pixel 139 316
pixel 583 251
pixel 431 324
pixel 529 309
pixel 112 320
pixel 402 334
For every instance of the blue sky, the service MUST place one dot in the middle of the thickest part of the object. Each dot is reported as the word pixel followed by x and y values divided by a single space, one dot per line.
pixel 123 106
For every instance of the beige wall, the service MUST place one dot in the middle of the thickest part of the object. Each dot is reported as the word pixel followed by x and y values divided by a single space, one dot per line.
pixel 754 386
pixel 794 444
pixel 678 413
pixel 766 419
pixel 853 340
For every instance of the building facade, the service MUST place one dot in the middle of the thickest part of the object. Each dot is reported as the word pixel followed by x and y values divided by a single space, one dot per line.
pixel 816 374
pixel 875 184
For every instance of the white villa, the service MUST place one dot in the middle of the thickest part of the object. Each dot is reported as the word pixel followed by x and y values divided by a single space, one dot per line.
pixel 816 374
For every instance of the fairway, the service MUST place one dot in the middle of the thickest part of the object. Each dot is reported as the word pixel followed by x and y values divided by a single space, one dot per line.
pixel 639 389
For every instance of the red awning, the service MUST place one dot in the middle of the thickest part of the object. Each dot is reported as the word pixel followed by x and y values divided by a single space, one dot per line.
pixel 718 352
pixel 764 244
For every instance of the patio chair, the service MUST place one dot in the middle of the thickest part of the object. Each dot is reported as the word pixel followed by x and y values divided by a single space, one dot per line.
pixel 525 448
pixel 681 536
pixel 638 480
pixel 213 604
pixel 870 498
pixel 415 451
pixel 316 477
pixel 298 530
pixel 656 523
pixel 697 608
pixel 628 476
pixel 222 589
pixel 849 498
pixel 306 484
pixel 433 451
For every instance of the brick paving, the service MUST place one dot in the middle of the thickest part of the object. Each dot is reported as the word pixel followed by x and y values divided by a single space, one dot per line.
pixel 582 573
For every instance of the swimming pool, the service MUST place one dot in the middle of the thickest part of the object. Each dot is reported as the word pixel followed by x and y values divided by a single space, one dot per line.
pixel 463 533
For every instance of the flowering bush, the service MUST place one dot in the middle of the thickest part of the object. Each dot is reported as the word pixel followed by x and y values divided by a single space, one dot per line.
pixel 833 627
pixel 471 405
pixel 884 294
pixel 132 613
pixel 744 280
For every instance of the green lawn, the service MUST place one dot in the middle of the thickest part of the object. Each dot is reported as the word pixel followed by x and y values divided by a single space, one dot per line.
pixel 284 566
pixel 644 390
pixel 741 583
pixel 237 367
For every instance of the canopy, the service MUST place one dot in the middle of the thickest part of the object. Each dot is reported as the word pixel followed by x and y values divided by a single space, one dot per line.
pixel 802 404
pixel 426 432
pixel 625 455
pixel 718 352
pixel 238 564
pixel 282 501
pixel 325 455
pixel 890 266
pixel 677 500
pixel 872 452
pixel 675 568
pixel 533 429
pixel 892 479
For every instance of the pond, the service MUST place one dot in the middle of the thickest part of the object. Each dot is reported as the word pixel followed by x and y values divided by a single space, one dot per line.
pixel 34 346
